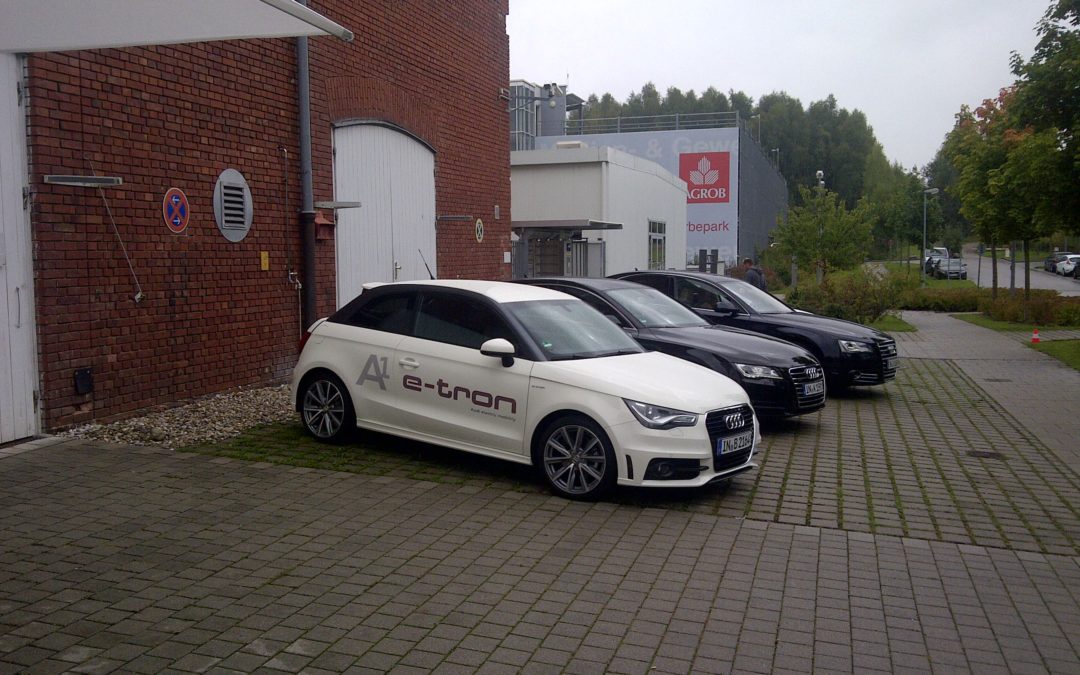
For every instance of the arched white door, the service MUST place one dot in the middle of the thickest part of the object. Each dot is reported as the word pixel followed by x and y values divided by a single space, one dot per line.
pixel 18 362
pixel 392 235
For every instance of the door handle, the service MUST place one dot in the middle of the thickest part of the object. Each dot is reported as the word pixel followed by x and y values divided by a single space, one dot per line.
pixel 397 268
pixel 408 363
pixel 18 307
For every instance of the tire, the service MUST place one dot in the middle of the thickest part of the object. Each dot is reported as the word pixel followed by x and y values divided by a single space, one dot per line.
pixel 326 409
pixel 576 458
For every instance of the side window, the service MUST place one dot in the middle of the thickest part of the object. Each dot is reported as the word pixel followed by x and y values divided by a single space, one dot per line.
pixel 662 284
pixel 391 313
pixel 697 295
pixel 596 303
pixel 458 320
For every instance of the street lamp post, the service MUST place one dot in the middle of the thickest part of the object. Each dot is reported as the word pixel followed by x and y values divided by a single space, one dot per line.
pixel 922 260
pixel 758 116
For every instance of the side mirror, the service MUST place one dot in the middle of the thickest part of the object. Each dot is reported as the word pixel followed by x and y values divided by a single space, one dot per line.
pixel 724 311
pixel 500 348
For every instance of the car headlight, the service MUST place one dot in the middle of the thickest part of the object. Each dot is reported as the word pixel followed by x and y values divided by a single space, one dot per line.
pixel 658 417
pixel 851 346
pixel 758 372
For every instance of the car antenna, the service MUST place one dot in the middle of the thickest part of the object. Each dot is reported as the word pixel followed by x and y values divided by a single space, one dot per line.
pixel 425 264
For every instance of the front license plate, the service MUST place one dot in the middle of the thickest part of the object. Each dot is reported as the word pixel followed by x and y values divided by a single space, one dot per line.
pixel 813 388
pixel 891 364
pixel 731 444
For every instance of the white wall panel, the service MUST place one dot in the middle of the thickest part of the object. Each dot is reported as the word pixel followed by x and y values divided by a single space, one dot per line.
pixel 18 361
pixel 393 176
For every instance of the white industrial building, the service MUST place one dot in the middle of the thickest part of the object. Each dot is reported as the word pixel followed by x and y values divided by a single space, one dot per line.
pixel 594 211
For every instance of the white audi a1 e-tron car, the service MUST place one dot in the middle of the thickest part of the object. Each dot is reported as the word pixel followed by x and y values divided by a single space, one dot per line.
pixel 524 374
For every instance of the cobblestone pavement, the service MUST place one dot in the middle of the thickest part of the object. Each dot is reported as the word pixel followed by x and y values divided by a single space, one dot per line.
pixel 870 539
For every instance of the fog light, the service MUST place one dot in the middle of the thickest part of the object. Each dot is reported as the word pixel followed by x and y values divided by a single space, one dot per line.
pixel 673 469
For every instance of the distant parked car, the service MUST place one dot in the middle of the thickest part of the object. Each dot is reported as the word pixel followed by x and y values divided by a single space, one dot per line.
pixel 851 353
pixel 1067 266
pixel 932 257
pixel 950 268
pixel 1050 264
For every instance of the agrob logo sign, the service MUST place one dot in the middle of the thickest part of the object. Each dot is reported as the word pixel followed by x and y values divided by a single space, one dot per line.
pixel 707 176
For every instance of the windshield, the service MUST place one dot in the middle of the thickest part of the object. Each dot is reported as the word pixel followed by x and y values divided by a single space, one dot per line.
pixel 653 309
pixel 755 298
pixel 570 329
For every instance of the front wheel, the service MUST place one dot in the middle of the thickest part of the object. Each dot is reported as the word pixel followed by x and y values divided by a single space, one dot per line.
pixel 576 458
pixel 326 408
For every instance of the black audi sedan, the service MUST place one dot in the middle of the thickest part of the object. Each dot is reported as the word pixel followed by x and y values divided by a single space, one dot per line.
pixel 851 353
pixel 780 378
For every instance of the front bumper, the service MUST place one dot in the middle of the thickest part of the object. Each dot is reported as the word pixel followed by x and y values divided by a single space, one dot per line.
pixel 866 368
pixel 637 448
pixel 790 396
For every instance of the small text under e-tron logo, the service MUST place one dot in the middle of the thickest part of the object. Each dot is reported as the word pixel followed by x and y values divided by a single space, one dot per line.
pixel 707 176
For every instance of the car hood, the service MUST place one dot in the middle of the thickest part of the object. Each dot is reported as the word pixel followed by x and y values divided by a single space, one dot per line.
pixel 733 344
pixel 837 328
pixel 649 377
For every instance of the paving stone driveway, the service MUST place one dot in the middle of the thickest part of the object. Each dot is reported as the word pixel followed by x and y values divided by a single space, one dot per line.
pixel 870 539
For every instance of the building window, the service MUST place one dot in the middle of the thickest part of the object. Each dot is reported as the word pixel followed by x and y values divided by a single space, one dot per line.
pixel 657 244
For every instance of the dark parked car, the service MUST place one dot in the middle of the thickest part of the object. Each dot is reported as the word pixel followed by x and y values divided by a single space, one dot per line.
pixel 852 354
pixel 950 268
pixel 781 378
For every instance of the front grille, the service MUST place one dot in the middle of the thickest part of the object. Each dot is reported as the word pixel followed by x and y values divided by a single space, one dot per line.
pixel 803 375
pixel 887 350
pixel 717 425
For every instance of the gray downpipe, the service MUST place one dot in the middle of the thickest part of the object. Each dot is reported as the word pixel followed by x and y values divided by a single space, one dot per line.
pixel 307 210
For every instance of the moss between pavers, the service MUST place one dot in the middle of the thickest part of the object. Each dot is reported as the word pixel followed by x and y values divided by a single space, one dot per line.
pixel 884 460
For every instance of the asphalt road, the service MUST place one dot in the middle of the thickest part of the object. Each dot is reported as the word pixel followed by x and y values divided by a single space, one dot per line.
pixel 1039 277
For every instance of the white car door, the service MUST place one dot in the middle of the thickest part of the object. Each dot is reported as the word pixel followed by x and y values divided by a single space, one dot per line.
pixel 452 393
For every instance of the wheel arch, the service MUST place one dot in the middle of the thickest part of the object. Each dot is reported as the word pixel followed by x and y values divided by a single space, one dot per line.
pixel 308 376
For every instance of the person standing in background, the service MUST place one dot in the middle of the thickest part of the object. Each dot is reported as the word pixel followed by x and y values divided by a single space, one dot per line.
pixel 752 274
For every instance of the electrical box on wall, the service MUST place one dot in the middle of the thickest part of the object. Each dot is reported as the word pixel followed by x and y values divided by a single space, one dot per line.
pixel 84 381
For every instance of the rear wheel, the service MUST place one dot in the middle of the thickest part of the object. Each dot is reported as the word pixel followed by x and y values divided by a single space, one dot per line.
pixel 576 458
pixel 326 408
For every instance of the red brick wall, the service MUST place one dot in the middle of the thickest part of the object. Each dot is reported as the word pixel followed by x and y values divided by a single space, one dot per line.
pixel 434 69
pixel 177 116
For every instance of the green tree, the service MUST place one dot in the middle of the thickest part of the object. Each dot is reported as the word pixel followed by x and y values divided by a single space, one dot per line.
pixel 976 148
pixel 1029 184
pixel 821 233
pixel 941 173
pixel 1048 100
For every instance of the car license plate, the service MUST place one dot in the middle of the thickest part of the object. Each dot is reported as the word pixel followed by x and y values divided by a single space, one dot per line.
pixel 813 388
pixel 891 364
pixel 735 443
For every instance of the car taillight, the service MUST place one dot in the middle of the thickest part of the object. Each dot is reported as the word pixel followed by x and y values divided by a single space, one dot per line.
pixel 303 341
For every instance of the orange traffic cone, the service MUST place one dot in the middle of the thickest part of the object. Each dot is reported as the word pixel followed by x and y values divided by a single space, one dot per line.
pixel 1035 336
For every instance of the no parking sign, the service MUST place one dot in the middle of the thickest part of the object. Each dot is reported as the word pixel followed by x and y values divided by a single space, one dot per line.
pixel 175 210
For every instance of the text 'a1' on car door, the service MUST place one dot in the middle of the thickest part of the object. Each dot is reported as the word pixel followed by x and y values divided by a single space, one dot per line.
pixel 449 389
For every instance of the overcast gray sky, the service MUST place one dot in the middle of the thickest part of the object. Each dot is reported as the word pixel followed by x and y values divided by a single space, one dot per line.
pixel 907 64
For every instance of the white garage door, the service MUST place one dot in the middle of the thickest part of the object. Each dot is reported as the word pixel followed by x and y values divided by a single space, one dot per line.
pixel 392 235
pixel 18 365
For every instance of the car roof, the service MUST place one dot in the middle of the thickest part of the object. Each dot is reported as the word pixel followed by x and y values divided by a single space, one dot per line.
pixel 499 291
pixel 708 276
pixel 585 282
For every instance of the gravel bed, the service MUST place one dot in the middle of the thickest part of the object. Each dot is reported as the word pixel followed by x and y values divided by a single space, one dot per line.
pixel 209 419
